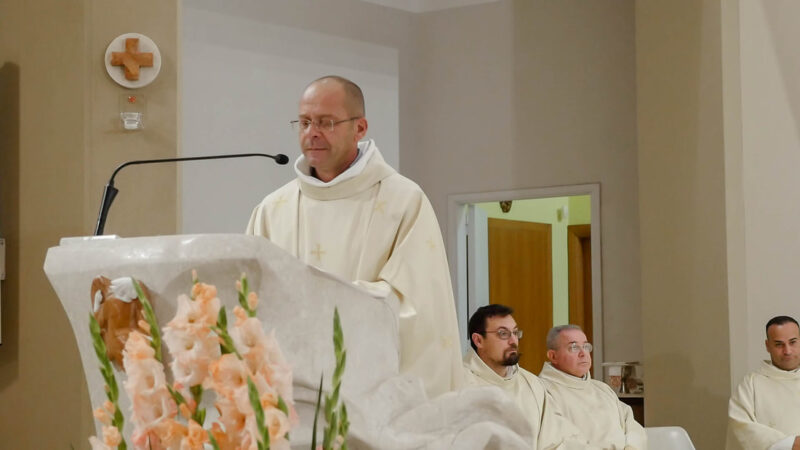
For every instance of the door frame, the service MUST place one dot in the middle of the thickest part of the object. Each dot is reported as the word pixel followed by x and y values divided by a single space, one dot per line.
pixel 457 253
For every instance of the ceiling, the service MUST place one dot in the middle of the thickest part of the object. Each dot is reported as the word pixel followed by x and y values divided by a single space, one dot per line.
pixel 422 6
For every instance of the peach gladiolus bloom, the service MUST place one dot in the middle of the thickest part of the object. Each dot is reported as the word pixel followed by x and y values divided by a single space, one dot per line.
pixel 137 347
pixel 195 438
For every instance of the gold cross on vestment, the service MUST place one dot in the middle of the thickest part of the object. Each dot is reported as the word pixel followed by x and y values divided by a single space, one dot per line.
pixel 431 244
pixel 446 341
pixel 379 206
pixel 318 252
pixel 279 201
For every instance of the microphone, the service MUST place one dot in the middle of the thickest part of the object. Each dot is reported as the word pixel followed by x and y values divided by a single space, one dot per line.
pixel 109 192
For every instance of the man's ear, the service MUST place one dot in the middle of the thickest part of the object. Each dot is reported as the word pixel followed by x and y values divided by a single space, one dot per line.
pixel 361 128
pixel 551 355
pixel 766 344
pixel 477 339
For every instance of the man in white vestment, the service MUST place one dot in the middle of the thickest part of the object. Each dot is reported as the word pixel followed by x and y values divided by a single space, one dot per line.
pixel 493 358
pixel 764 411
pixel 591 405
pixel 351 214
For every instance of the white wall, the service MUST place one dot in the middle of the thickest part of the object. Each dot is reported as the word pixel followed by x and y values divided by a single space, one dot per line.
pixel 242 79
pixel 500 96
pixel 770 115
pixel 526 94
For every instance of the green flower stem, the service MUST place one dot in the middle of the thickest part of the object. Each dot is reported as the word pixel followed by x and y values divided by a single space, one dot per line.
pixel 199 414
pixel 221 328
pixel 111 387
pixel 255 402
pixel 243 293
pixel 150 318
pixel 335 414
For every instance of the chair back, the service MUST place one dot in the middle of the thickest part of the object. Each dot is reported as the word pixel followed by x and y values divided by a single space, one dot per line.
pixel 668 438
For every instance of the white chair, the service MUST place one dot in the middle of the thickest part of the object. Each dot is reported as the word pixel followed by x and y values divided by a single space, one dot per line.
pixel 668 438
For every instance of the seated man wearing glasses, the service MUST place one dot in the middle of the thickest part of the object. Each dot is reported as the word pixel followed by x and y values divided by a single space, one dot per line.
pixel 351 214
pixel 764 411
pixel 492 360
pixel 591 405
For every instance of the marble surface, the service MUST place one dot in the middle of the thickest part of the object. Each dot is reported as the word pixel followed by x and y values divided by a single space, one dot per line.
pixel 386 410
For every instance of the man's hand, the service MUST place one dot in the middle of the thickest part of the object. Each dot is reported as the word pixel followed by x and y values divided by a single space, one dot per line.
pixel 796 445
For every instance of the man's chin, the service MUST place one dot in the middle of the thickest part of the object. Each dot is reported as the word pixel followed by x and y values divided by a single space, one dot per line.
pixel 789 365
pixel 512 359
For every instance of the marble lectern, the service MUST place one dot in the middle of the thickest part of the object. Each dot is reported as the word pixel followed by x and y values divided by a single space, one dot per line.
pixel 386 410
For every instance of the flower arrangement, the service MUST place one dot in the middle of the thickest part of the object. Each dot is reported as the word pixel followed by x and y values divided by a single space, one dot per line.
pixel 241 365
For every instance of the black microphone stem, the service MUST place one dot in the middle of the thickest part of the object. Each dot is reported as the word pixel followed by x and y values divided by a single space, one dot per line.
pixel 110 191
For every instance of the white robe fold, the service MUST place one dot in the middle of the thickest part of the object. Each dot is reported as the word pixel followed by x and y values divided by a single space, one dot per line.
pixel 378 230
pixel 594 409
pixel 764 409
pixel 549 430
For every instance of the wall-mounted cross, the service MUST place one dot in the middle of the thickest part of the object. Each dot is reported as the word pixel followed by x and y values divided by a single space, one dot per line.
pixel 132 59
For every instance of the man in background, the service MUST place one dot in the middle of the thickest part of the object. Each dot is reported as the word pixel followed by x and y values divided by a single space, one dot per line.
pixel 492 360
pixel 764 411
pixel 591 405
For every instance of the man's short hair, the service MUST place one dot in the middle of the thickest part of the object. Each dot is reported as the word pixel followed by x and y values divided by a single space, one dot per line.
pixel 779 320
pixel 552 335
pixel 477 323
pixel 353 94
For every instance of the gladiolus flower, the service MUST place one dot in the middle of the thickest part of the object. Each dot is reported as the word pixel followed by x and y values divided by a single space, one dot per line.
pixel 111 436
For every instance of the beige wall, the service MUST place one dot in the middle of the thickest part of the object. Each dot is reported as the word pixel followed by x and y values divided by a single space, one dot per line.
pixel 61 139
pixel 682 208
pixel 525 94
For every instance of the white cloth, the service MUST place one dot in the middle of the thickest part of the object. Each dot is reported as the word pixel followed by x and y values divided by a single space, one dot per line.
pixel 593 407
pixel 549 430
pixel 377 229
pixel 398 417
pixel 764 411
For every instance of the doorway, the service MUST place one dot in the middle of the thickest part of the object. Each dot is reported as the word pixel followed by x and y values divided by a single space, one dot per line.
pixel 541 257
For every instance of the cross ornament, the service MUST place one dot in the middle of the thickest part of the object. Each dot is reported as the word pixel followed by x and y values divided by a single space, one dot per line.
pixel 318 252
pixel 131 59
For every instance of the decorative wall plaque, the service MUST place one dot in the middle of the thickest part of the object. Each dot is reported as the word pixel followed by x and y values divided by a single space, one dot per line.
pixel 133 60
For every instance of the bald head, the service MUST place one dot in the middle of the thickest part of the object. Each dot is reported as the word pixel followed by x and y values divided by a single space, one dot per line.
pixel 353 97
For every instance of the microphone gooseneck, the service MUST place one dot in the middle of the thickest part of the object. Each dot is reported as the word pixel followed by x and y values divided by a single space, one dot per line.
pixel 110 192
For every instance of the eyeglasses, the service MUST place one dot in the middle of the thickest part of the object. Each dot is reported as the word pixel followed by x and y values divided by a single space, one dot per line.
pixel 574 347
pixel 320 124
pixel 505 334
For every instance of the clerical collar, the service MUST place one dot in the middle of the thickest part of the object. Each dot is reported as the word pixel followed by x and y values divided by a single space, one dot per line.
pixel 511 371
pixel 365 151
pixel 797 370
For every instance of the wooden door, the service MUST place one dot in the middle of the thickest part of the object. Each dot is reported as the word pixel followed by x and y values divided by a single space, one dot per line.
pixel 579 256
pixel 521 276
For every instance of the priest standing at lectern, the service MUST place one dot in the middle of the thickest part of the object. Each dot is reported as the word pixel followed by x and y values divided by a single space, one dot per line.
pixel 351 214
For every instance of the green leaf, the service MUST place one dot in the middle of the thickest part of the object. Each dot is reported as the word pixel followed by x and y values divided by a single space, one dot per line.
pixel 176 395
pixel 214 443
pixel 282 406
pixel 316 415
pixel 200 416
pixel 255 402
pixel 222 319
pixel 150 318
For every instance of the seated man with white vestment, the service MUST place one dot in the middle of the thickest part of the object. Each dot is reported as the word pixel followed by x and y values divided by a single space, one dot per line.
pixel 351 214
pixel 591 405
pixel 492 360
pixel 764 411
